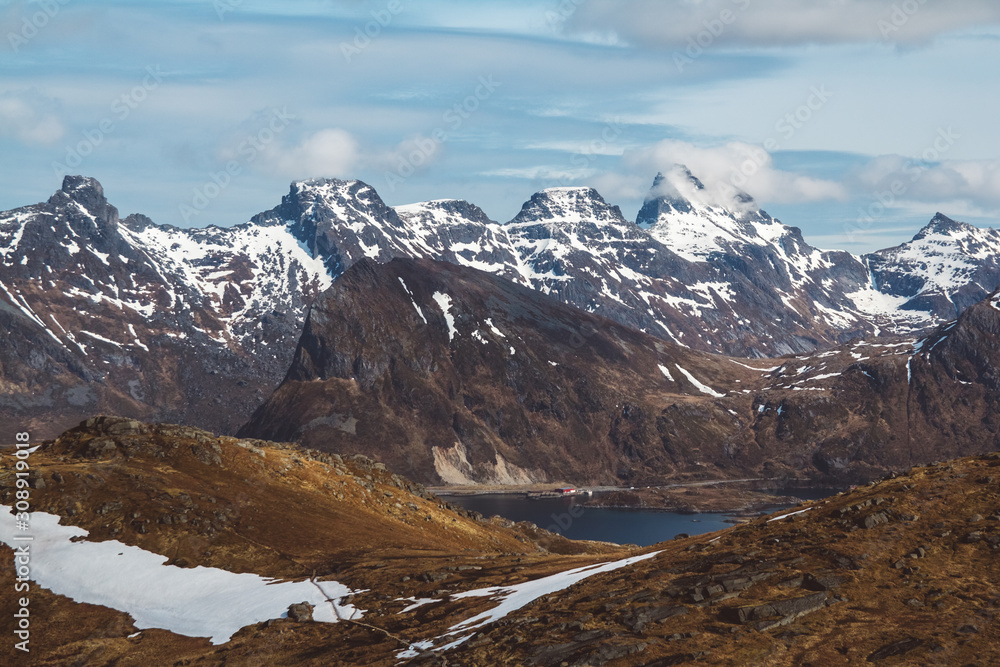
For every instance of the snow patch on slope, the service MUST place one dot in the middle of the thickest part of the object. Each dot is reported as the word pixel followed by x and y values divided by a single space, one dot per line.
pixel 513 598
pixel 194 602
pixel 703 388
pixel 444 303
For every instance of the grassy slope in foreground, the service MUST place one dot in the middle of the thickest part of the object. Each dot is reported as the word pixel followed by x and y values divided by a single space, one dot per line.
pixel 904 571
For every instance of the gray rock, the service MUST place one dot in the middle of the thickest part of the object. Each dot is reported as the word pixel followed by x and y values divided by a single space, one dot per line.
pixel 636 620
pixel 901 647
pixel 873 520
pixel 787 609
pixel 301 612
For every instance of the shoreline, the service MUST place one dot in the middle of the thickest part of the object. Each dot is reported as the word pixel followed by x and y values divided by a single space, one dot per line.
pixel 741 498
pixel 502 490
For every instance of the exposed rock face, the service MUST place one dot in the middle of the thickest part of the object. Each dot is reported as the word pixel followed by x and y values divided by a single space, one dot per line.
pixel 455 374
pixel 129 317
pixel 451 374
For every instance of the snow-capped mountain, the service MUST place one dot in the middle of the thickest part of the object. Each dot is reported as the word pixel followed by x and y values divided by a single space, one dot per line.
pixel 155 321
pixel 947 267
pixel 832 289
pixel 122 307
pixel 580 248
pixel 679 213
pixel 459 232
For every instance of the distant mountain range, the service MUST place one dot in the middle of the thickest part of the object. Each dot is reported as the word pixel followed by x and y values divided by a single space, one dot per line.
pixel 200 325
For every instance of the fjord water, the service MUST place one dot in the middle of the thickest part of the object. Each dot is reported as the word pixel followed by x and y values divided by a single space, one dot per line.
pixel 577 522
pixel 622 526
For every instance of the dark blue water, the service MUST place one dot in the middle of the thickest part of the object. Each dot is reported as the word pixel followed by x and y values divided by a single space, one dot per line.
pixel 566 517
pixel 643 527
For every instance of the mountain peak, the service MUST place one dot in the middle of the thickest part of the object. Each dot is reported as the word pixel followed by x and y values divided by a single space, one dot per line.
pixel 444 211
pixel 84 190
pixel 336 200
pixel 321 182
pixel 76 185
pixel 677 173
pixel 568 205
pixel 680 190
pixel 327 188
pixel 942 224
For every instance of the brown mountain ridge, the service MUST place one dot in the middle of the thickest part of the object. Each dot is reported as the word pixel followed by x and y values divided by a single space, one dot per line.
pixel 450 374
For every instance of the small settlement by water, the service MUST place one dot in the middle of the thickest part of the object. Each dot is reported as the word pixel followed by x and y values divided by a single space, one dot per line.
pixel 561 492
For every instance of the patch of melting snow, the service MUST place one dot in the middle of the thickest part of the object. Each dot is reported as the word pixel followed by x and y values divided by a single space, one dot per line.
pixel 703 388
pixel 785 516
pixel 513 598
pixel 489 323
pixel 194 602
pixel 416 603
pixel 825 376
pixel 101 338
pixel 444 303
pixel 666 372
pixel 413 301
pixel 760 370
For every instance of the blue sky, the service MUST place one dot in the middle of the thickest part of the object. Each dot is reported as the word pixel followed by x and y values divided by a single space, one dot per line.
pixel 855 120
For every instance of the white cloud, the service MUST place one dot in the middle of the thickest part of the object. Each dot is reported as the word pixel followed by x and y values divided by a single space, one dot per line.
pixel 541 173
pixel 724 171
pixel 969 185
pixel 327 153
pixel 411 155
pixel 577 147
pixel 22 121
pixel 672 23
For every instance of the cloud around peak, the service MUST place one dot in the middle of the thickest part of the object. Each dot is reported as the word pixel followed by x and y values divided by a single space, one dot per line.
pixel 727 174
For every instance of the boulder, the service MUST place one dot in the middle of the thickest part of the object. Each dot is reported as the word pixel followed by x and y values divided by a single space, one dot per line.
pixel 301 612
